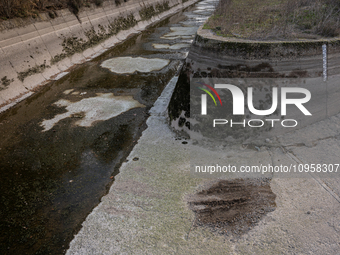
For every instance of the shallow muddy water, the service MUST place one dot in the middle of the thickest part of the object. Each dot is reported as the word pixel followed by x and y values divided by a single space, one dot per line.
pixel 61 148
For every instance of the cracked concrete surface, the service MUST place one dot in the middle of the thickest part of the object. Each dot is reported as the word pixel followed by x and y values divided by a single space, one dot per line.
pixel 146 212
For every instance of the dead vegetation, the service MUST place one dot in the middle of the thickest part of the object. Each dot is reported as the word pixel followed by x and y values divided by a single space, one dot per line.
pixel 31 8
pixel 276 19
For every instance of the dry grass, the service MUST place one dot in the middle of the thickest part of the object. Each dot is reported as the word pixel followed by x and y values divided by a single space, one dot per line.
pixel 31 8
pixel 276 19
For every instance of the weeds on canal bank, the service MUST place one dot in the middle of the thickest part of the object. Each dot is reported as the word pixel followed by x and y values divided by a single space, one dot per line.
pixel 148 11
pixel 73 45
pixel 5 82
pixel 276 19
pixel 31 71
pixel 31 8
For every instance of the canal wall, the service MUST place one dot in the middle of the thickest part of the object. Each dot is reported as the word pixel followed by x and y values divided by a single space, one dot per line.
pixel 34 51
pixel 304 58
pixel 311 64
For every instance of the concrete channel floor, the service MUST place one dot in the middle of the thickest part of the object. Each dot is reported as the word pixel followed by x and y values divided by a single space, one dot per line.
pixel 146 211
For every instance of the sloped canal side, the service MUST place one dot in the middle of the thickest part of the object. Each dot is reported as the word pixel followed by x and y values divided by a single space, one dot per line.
pixel 61 148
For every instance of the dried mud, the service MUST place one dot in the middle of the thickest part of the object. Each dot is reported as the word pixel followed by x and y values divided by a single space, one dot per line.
pixel 232 207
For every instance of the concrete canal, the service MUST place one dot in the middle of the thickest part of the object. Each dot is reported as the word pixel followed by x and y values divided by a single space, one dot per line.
pixel 61 148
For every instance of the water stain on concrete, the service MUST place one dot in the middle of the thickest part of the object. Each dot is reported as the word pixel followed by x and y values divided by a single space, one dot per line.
pixel 89 110
pixel 130 65
pixel 232 206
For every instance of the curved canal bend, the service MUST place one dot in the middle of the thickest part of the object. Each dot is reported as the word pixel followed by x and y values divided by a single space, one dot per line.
pixel 61 148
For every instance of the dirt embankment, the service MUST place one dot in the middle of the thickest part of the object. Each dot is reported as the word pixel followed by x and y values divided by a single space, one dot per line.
pixel 273 20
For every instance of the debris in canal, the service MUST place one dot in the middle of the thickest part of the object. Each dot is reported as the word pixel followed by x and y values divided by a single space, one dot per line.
pixel 66 92
pixel 176 46
pixel 180 32
pixel 103 107
pixel 130 65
